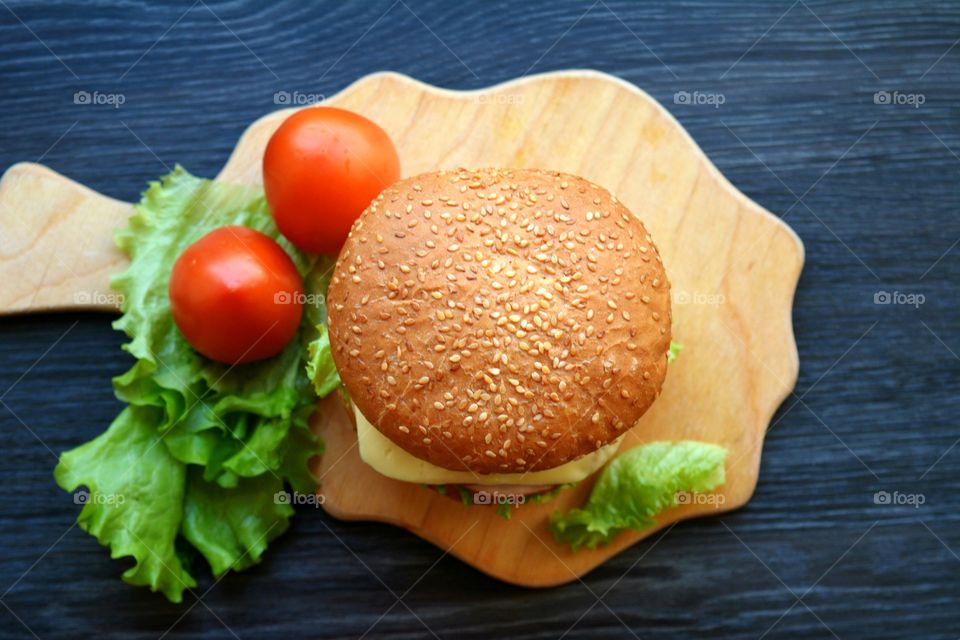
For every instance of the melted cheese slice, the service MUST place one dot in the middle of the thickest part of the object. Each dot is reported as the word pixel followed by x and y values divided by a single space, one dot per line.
pixel 388 459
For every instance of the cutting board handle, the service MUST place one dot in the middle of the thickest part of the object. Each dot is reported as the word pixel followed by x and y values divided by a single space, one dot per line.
pixel 56 242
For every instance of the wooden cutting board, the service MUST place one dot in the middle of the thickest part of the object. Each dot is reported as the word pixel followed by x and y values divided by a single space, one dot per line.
pixel 733 266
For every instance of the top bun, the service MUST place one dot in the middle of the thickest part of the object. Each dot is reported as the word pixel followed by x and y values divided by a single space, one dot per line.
pixel 500 320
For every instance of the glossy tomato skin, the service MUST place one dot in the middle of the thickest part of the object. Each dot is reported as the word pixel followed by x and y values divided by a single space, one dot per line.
pixel 321 169
pixel 236 295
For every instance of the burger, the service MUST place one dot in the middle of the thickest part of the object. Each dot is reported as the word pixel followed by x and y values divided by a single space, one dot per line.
pixel 497 328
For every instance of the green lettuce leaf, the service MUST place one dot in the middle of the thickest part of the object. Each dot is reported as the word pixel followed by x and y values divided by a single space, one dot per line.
pixel 231 527
pixel 302 446
pixel 636 486
pixel 228 418
pixel 675 349
pixel 320 367
pixel 134 500
pixel 202 447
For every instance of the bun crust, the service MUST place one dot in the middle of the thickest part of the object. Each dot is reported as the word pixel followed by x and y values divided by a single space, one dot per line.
pixel 500 320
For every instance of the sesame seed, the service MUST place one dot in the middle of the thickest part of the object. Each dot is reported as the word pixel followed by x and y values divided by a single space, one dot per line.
pixel 519 285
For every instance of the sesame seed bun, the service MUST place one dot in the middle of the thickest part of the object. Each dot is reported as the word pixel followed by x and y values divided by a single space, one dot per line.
pixel 500 320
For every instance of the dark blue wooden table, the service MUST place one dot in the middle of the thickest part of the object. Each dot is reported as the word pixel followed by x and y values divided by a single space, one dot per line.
pixel 841 117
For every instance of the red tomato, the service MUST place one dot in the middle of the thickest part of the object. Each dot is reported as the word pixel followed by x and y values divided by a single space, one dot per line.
pixel 236 295
pixel 321 169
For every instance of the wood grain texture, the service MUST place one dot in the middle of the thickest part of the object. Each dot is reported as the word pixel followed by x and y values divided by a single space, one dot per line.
pixel 731 310
pixel 55 250
pixel 879 401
